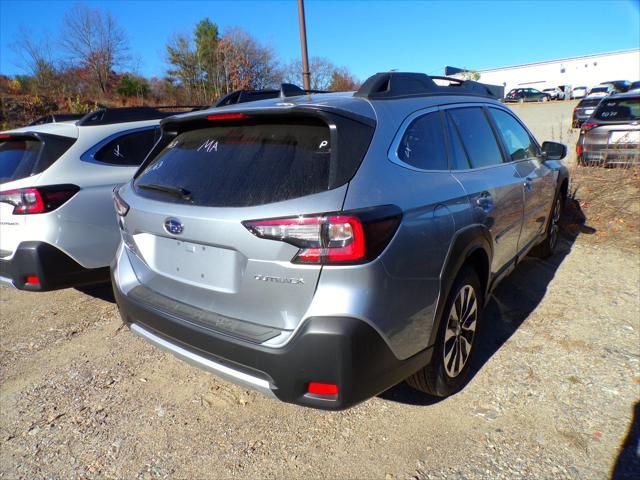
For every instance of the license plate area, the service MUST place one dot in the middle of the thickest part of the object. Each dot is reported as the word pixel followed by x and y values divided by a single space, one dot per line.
pixel 196 264
pixel 624 137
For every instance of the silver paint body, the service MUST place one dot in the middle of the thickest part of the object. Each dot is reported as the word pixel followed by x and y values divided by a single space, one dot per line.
pixel 217 265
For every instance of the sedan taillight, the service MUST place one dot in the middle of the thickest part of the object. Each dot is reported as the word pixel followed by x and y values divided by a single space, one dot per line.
pixel 27 201
pixel 333 239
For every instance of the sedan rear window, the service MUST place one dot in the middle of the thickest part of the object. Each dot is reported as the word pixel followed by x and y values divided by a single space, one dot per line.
pixel 22 157
pixel 255 163
pixel 627 109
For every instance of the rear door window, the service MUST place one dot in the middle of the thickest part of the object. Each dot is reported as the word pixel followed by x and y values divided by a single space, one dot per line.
pixel 255 162
pixel 129 149
pixel 477 136
pixel 518 143
pixel 422 145
pixel 22 157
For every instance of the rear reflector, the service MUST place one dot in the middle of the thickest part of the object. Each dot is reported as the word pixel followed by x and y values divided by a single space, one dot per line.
pixel 326 239
pixel 316 388
pixel 32 280
pixel 227 116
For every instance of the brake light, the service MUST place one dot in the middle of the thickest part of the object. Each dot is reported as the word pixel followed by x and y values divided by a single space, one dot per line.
pixel 4 136
pixel 586 126
pixel 227 116
pixel 328 239
pixel 27 201
pixel 579 149
pixel 32 280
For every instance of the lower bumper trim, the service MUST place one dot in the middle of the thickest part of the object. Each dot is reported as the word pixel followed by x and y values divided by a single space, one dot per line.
pixel 223 371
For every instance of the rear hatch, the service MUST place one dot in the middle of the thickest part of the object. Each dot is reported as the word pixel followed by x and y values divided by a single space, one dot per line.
pixel 23 157
pixel 210 174
pixel 614 127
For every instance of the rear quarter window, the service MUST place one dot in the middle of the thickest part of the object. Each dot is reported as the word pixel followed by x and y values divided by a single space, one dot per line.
pixel 422 145
pixel 22 157
pixel 129 149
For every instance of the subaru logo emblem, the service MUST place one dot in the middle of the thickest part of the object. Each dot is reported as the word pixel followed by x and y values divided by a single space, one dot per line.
pixel 173 226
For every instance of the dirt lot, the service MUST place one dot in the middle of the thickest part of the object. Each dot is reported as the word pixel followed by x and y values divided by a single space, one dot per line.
pixel 552 395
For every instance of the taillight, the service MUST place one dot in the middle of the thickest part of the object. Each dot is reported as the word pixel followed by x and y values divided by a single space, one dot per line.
pixel 122 207
pixel 333 239
pixel 579 149
pixel 27 201
pixel 586 126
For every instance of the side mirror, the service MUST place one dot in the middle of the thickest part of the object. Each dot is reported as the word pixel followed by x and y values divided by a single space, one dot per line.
pixel 553 151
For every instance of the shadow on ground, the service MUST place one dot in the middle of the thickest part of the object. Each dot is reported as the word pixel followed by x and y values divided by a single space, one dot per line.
pixel 101 291
pixel 511 302
pixel 627 464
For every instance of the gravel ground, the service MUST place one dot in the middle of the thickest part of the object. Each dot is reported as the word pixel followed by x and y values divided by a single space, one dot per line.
pixel 552 396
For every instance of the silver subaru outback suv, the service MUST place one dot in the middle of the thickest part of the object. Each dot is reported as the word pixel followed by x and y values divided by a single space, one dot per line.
pixel 322 248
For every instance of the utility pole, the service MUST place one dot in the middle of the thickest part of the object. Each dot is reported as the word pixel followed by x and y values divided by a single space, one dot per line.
pixel 306 76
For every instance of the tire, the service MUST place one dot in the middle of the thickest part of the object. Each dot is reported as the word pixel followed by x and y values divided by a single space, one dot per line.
pixel 521 100
pixel 545 99
pixel 444 375
pixel 548 246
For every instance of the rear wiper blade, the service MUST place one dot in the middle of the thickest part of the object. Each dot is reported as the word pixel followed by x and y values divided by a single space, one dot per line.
pixel 175 191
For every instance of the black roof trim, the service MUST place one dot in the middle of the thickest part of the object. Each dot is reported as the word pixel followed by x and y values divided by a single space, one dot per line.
pixel 55 118
pixel 392 85
pixel 243 96
pixel 107 116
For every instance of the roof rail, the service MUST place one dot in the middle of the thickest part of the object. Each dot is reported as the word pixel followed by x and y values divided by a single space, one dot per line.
pixel 242 96
pixel 391 85
pixel 56 117
pixel 106 116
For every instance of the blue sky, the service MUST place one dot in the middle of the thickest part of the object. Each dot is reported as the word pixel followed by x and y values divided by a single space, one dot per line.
pixel 365 36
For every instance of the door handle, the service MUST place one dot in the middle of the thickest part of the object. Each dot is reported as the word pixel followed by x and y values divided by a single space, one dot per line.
pixel 485 202
pixel 528 184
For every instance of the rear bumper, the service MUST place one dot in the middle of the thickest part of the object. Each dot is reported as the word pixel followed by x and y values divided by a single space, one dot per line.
pixel 338 350
pixel 53 268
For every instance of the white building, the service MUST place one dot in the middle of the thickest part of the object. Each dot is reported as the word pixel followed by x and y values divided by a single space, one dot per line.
pixel 588 70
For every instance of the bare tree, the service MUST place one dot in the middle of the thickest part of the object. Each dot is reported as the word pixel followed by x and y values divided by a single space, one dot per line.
pixel 321 72
pixel 35 58
pixel 94 41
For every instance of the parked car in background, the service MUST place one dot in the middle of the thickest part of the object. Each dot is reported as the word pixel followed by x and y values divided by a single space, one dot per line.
pixel 583 110
pixel 527 95
pixel 324 248
pixel 58 228
pixel 634 87
pixel 579 92
pixel 601 91
pixel 244 96
pixel 620 86
pixel 555 93
pixel 611 136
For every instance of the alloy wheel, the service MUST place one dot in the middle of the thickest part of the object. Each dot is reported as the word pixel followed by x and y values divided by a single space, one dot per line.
pixel 460 332
pixel 554 228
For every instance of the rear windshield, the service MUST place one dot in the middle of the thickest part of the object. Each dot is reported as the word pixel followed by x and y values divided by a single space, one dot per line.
pixel 618 110
pixel 256 162
pixel 589 102
pixel 22 157
pixel 599 89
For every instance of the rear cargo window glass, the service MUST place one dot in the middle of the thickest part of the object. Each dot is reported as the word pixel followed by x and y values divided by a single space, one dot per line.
pixel 255 163
pixel 422 145
pixel 477 136
pixel 23 157
pixel 129 149
pixel 516 140
pixel 589 102
pixel 618 110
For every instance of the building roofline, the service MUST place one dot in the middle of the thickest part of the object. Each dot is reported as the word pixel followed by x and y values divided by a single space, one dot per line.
pixel 546 62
